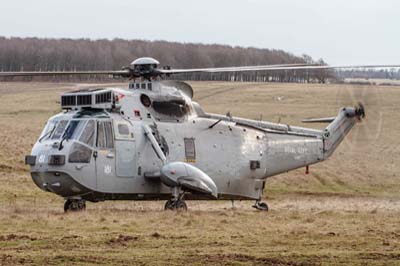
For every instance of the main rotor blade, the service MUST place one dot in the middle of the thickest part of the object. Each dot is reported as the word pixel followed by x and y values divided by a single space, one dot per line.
pixel 231 69
pixel 156 72
pixel 63 73
pixel 272 68
pixel 124 73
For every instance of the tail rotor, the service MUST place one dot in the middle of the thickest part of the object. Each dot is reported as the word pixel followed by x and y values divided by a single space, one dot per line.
pixel 363 97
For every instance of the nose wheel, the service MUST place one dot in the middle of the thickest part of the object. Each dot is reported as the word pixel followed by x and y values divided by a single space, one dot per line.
pixel 73 205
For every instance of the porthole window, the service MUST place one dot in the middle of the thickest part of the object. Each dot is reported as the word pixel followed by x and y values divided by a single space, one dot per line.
pixel 145 100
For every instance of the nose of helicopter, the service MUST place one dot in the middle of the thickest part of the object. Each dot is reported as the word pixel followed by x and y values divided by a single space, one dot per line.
pixel 59 183
pixel 49 170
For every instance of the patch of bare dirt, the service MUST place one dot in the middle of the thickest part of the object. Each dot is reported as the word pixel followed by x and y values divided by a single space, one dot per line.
pixel 228 259
pixel 7 260
pixel 12 237
pixel 122 240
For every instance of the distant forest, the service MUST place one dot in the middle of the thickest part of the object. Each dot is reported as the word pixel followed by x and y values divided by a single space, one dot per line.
pixel 393 74
pixel 34 54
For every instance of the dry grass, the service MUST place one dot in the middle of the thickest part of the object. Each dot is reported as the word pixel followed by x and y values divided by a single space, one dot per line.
pixel 346 212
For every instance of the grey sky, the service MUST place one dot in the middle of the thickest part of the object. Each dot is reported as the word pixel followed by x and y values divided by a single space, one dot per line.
pixel 340 31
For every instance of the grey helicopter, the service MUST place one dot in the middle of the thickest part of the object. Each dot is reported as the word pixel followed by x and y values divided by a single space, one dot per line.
pixel 153 142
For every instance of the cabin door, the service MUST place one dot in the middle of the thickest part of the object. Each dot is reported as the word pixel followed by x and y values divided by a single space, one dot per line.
pixel 105 156
pixel 125 149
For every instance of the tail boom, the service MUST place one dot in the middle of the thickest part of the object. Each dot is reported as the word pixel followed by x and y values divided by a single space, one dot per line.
pixel 340 127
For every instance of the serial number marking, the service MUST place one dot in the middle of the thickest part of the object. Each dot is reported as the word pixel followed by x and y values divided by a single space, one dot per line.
pixel 42 158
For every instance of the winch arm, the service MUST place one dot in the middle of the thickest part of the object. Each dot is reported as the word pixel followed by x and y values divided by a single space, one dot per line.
pixel 149 134
pixel 180 174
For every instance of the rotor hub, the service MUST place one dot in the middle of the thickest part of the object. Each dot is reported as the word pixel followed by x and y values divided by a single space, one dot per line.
pixel 145 61
pixel 360 111
pixel 145 67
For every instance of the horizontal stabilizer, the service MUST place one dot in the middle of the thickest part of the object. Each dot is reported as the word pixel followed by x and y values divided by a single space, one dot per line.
pixel 319 120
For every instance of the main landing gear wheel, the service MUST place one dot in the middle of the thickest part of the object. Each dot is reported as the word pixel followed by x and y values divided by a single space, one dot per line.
pixel 178 205
pixel 261 206
pixel 74 205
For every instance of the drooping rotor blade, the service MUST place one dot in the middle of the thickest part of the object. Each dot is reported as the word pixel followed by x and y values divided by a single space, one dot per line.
pixel 64 73
pixel 272 68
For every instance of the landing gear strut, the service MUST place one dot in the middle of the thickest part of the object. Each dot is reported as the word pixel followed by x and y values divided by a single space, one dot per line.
pixel 261 206
pixel 74 205
pixel 176 203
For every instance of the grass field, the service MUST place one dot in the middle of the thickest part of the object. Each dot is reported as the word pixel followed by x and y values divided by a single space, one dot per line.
pixel 345 212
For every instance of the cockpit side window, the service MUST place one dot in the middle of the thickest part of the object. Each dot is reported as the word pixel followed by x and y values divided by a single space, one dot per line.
pixel 87 136
pixel 79 153
pixel 105 138
pixel 101 139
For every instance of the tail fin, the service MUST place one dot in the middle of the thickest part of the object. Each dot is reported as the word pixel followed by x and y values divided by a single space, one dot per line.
pixel 340 127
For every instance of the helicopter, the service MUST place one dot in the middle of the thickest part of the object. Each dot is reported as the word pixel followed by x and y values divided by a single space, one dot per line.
pixel 153 142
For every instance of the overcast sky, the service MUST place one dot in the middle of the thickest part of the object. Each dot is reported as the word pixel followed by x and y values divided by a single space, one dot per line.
pixel 340 31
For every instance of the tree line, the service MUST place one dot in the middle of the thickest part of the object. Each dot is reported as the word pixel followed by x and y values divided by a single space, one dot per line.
pixel 36 54
pixel 393 73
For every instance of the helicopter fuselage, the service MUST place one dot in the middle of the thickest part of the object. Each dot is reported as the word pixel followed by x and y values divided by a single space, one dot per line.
pixel 96 154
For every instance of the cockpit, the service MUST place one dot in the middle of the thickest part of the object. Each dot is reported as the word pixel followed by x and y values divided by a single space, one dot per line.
pixel 90 146
pixel 81 134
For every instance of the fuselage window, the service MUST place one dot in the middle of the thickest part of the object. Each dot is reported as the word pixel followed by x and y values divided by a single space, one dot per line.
pixel 123 129
pixel 190 149
pixel 105 137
